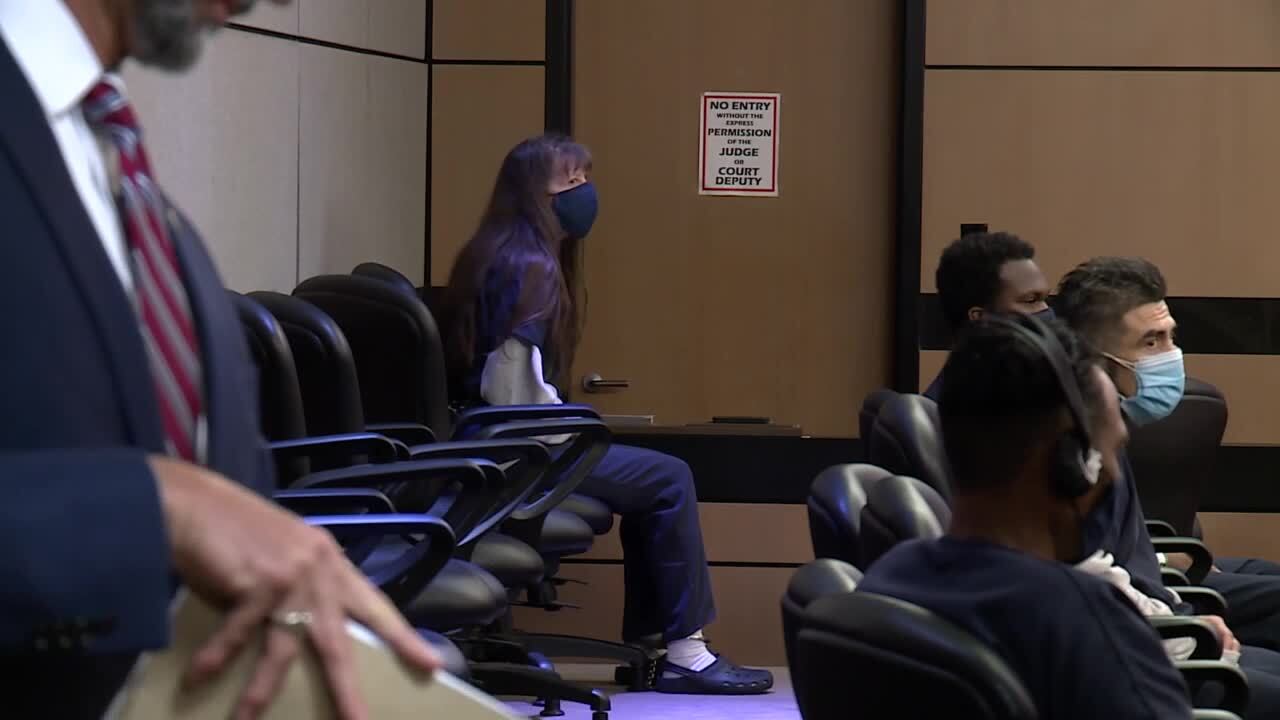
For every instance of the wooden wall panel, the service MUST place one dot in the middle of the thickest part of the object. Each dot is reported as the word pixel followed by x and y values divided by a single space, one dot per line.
pixel 1172 166
pixel 478 114
pixel 223 140
pixel 1205 33
pixel 363 162
pixel 738 532
pixel 748 604
pixel 393 26
pixel 776 307
pixel 489 29
pixel 272 16
pixel 1241 534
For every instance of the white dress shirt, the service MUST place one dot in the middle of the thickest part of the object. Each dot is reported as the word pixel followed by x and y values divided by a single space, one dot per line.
pixel 61 66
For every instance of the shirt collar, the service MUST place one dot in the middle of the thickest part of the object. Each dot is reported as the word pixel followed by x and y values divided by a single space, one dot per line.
pixel 52 50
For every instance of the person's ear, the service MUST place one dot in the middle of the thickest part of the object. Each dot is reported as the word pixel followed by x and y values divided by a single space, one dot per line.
pixel 975 314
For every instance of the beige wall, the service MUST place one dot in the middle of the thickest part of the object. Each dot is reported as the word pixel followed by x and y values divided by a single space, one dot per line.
pixel 295 159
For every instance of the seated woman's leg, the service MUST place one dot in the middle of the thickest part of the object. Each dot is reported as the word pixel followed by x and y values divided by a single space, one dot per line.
pixel 668 586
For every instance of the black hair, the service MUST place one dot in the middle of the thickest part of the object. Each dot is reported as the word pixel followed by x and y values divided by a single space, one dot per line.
pixel 1002 398
pixel 968 274
pixel 1095 296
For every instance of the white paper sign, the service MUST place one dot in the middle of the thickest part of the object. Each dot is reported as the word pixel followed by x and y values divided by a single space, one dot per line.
pixel 739 145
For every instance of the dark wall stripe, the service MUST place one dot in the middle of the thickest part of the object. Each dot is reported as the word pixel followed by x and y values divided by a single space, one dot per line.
pixel 559 74
pixel 331 45
pixel 1108 68
pixel 1206 325
pixel 906 256
pixel 753 469
pixel 431 92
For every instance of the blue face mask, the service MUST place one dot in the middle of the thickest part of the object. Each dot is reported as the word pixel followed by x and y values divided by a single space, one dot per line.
pixel 1045 314
pixel 1161 381
pixel 576 209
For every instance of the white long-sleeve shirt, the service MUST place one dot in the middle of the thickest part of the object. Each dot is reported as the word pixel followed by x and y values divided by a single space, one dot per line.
pixel 513 375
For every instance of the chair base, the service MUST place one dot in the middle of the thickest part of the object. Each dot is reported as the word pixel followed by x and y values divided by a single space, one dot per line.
pixel 515 679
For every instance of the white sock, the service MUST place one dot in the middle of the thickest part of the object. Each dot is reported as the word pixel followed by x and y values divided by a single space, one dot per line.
pixel 690 653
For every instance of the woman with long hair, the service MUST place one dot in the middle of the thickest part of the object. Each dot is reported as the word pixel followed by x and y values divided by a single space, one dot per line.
pixel 513 323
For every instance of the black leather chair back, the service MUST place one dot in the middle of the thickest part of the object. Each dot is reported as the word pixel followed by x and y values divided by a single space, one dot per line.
pixel 870 411
pixel 836 500
pixel 386 274
pixel 326 371
pixel 280 398
pixel 818 579
pixel 898 509
pixel 863 655
pixel 907 440
pixel 1172 459
pixel 397 348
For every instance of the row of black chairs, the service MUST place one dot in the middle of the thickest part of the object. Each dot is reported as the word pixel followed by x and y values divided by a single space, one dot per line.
pixel 457 516
pixel 857 513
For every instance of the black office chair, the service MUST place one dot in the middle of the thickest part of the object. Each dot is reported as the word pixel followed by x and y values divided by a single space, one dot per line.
pixel 870 411
pixel 897 509
pixel 1173 458
pixel 818 579
pixel 908 662
pixel 836 499
pixel 465 594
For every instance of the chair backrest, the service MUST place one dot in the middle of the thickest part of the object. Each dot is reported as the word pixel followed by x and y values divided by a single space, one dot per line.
pixel 870 411
pixel 396 345
pixel 835 502
pixel 326 372
pixel 907 662
pixel 898 509
pixel 818 579
pixel 1173 458
pixel 280 398
pixel 386 274
pixel 906 439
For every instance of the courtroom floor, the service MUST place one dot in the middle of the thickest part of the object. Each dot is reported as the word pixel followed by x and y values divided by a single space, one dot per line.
pixel 779 704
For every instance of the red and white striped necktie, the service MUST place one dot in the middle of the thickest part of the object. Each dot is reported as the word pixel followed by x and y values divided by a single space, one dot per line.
pixel 168 328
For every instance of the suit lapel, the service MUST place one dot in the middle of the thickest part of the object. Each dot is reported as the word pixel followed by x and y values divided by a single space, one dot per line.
pixel 26 137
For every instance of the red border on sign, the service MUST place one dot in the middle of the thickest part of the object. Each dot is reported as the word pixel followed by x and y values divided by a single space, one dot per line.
pixel 702 169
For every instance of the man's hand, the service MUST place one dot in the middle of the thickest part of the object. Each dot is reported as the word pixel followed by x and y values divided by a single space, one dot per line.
pixel 244 553
pixel 1229 641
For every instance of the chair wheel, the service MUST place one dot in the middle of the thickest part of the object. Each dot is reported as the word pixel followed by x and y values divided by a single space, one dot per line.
pixel 600 715
pixel 551 708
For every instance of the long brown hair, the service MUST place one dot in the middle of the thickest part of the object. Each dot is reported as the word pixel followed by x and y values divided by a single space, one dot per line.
pixel 520 241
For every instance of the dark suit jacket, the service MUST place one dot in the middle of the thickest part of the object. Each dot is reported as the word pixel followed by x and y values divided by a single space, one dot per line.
pixel 85 578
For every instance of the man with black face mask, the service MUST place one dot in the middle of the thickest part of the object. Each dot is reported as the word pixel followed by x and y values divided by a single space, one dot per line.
pixel 988 272
pixel 1032 451
pixel 1118 305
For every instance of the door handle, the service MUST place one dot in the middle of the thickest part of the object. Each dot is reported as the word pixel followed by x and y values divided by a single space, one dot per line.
pixel 593 383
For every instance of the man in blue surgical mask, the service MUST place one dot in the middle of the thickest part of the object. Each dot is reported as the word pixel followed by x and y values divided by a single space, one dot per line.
pixel 988 272
pixel 1118 305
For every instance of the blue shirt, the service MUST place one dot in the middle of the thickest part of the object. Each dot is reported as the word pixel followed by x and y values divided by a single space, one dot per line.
pixel 497 304
pixel 1081 648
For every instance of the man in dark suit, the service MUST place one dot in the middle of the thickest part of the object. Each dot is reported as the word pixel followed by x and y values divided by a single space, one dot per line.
pixel 130 455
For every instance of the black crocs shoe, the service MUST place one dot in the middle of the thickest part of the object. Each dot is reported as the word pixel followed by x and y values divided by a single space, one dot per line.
pixel 719 678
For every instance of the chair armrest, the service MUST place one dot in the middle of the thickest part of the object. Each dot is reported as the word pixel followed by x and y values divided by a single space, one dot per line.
pixel 1208 645
pixel 1235 687
pixel 1170 577
pixel 591 440
pixel 402 578
pixel 524 463
pixel 377 448
pixel 1202 714
pixel 1160 528
pixel 339 501
pixel 407 433
pixel 1201 558
pixel 460 491
pixel 471 421
pixel 1204 600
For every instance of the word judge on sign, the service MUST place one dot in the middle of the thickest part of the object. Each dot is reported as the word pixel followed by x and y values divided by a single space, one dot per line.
pixel 738 147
